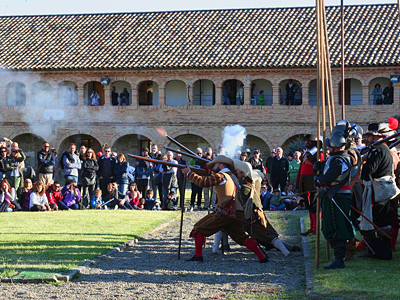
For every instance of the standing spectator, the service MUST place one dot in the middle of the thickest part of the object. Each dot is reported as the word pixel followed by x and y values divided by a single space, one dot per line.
pixel 269 161
pixel 70 163
pixel 54 195
pixel 388 94
pixel 24 194
pixel 114 97
pixel 46 162
pixel 170 182
pixel 196 190
pixel 226 94
pixel 279 170
pixel 207 190
pixel 181 179
pixel 294 166
pixel 144 169
pixel 155 178
pixel 239 95
pixel 95 97
pixel 90 167
pixel 39 201
pixel 4 162
pixel 7 197
pixel 14 172
pixel 290 91
pixel 121 173
pixel 298 93
pixel 377 94
pixel 71 196
pixel 257 162
pixel 124 96
pixel 243 156
pixel 261 98
pixel 105 173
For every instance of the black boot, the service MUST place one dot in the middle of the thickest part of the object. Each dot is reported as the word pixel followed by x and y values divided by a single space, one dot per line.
pixel 196 258
pixel 339 248
pixel 335 264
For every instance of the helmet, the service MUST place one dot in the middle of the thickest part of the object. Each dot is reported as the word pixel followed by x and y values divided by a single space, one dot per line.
pixel 337 140
pixel 344 122
pixel 356 132
pixel 247 151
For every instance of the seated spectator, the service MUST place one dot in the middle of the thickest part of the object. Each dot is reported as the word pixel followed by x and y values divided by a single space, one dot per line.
pixel 24 194
pixel 133 196
pixel 149 200
pixel 54 195
pixel 265 195
pixel 171 203
pixel 71 196
pixel 97 200
pixel 276 202
pixel 39 201
pixel 157 205
pixel 114 199
pixel 121 173
pixel 7 198
pixel 290 202
pixel 142 203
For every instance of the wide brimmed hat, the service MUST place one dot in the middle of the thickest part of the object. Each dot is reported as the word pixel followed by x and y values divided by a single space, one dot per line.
pixel 245 167
pixel 311 137
pixel 379 129
pixel 222 159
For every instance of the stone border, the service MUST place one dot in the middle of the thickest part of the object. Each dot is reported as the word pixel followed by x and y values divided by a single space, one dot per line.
pixel 75 272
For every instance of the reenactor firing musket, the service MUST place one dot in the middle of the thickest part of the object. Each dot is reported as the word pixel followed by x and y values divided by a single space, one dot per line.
pixel 381 141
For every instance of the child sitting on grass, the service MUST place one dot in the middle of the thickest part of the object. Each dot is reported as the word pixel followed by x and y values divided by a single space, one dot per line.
pixel 97 200
pixel 276 201
pixel 171 203
pixel 150 202
pixel 157 205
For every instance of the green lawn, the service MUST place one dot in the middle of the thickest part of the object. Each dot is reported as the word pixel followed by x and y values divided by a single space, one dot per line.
pixel 59 241
pixel 362 278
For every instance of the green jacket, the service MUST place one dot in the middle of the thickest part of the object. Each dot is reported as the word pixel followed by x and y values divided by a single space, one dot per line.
pixel 294 167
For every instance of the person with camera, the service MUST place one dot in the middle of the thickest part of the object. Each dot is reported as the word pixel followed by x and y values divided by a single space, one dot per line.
pixel 95 97
pixel 71 196
pixel 46 162
pixel 12 166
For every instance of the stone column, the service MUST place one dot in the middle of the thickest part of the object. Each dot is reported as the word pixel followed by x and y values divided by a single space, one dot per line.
pixel 305 95
pixel 247 95
pixel 218 95
pixel 275 95
pixel 396 94
pixel 54 97
pixel 134 97
pixel 365 94
pixel 3 101
pixel 191 95
pixel 81 96
pixel 107 95
pixel 161 95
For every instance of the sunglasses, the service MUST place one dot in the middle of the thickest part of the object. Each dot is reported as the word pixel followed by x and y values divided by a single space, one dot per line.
pixel 3 150
pixel 92 151
pixel 107 151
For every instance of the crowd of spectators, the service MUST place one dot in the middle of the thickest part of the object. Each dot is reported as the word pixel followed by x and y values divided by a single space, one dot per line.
pixel 106 180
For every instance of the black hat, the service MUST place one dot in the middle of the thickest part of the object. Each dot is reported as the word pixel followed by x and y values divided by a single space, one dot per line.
pixel 310 137
pixel 256 151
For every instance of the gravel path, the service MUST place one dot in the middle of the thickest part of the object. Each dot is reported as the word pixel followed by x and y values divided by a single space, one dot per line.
pixel 151 270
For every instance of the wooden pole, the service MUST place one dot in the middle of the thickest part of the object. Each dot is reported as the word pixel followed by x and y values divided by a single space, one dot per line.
pixel 342 59
pixel 182 209
pixel 319 84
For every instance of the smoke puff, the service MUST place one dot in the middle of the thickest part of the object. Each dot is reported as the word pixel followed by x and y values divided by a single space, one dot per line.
pixel 233 138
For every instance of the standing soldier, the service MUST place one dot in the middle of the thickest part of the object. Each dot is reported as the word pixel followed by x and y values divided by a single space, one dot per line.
pixel 230 208
pixel 334 184
pixel 305 180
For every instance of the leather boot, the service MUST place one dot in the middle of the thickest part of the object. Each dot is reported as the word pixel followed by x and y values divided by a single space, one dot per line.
pixel 339 248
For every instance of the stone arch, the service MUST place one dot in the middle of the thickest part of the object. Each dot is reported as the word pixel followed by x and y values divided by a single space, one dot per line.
pixel 254 142
pixel 194 132
pixel 30 143
pixel 41 94
pixel 80 139
pixel 298 139
pixel 120 85
pixel 232 92
pixel 297 132
pixel 148 92
pixel 131 143
pixel 290 92
pixel 89 87
pixel 175 92
pixel 16 94
pixel 374 96
pixel 353 92
pixel 138 132
pixel 67 93
pixel 258 85
pixel 203 92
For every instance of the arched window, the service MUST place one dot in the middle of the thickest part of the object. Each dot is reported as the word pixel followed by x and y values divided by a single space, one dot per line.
pixel 41 94
pixel 380 91
pixel 353 92
pixel 290 92
pixel 204 92
pixel 67 93
pixel 121 93
pixel 232 92
pixel 175 93
pixel 261 92
pixel 94 93
pixel 148 93
pixel 16 94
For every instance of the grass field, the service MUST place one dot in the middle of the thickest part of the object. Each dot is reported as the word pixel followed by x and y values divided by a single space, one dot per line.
pixel 362 279
pixel 59 241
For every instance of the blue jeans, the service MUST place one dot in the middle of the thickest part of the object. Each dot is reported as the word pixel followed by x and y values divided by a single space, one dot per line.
pixel 123 187
pixel 279 207
pixel 75 178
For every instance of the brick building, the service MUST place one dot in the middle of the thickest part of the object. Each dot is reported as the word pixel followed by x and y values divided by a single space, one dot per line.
pixel 190 72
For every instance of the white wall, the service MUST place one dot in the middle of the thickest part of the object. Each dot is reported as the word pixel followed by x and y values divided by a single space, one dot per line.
pixel 175 93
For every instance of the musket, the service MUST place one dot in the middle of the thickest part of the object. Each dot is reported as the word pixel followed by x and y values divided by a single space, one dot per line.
pixel 394 144
pixel 379 142
pixel 297 194
pixel 180 145
pixel 369 221
pixel 205 160
pixel 167 163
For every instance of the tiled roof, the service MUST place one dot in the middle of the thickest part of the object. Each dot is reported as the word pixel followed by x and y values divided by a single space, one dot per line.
pixel 266 38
